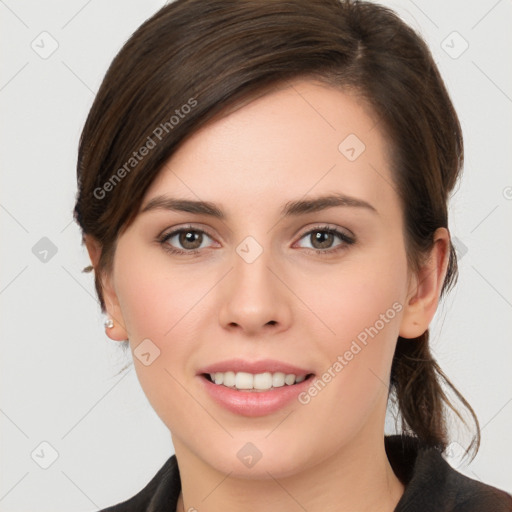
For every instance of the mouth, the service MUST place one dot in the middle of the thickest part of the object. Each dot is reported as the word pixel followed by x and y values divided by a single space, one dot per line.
pixel 254 394
pixel 255 382
pixel 254 388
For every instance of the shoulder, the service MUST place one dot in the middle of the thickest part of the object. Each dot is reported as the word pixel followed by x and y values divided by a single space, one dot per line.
pixel 432 484
pixel 159 495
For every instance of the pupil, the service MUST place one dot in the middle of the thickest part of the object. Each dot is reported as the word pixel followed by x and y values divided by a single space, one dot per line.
pixel 325 243
pixel 189 239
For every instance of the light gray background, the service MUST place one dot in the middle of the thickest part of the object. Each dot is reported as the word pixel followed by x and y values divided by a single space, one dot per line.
pixel 58 367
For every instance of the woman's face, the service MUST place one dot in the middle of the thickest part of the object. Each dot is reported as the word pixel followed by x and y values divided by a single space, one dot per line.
pixel 254 286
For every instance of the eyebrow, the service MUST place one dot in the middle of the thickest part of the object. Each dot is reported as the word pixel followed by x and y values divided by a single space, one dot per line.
pixel 291 208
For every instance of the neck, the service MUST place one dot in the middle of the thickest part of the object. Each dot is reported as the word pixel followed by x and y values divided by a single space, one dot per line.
pixel 356 477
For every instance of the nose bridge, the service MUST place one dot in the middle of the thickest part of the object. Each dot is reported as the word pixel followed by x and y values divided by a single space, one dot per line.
pixel 253 297
pixel 251 275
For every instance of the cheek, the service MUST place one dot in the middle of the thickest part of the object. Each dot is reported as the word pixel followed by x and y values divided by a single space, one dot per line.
pixel 156 306
pixel 361 307
pixel 356 295
pixel 156 297
pixel 162 303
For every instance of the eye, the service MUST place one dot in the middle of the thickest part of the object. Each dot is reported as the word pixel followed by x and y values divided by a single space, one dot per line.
pixel 189 240
pixel 322 238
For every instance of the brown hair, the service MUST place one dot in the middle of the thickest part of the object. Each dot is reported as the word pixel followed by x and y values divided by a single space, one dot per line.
pixel 195 59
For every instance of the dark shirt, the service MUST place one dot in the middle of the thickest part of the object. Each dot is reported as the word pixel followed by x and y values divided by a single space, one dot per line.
pixel 431 484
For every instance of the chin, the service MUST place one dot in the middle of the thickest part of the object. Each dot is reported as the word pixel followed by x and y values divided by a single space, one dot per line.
pixel 258 458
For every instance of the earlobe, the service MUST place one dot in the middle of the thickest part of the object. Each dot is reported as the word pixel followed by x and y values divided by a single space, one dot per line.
pixel 114 324
pixel 115 327
pixel 425 288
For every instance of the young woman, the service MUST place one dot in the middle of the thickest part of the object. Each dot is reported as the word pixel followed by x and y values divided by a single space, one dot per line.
pixel 263 191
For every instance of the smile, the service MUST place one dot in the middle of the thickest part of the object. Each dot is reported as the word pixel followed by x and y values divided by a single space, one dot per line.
pixel 244 381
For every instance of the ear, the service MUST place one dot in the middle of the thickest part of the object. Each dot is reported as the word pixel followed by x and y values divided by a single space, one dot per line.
pixel 118 331
pixel 425 288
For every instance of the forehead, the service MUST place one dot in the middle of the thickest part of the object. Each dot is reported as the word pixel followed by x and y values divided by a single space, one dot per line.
pixel 303 138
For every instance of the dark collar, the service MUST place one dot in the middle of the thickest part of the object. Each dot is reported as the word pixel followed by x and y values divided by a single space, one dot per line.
pixel 431 484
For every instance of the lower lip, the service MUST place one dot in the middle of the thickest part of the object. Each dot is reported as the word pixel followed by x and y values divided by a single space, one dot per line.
pixel 254 403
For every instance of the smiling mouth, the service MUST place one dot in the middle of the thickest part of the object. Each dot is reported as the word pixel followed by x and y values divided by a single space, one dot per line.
pixel 249 382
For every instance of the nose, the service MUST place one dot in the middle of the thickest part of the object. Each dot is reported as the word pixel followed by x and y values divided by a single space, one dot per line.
pixel 254 299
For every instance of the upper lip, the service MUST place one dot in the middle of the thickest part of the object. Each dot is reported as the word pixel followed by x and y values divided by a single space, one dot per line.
pixel 261 366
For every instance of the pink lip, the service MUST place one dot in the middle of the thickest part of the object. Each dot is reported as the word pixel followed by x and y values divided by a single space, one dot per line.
pixel 265 365
pixel 254 403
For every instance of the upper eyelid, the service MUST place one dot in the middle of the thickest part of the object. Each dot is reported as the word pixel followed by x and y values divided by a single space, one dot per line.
pixel 173 231
pixel 325 227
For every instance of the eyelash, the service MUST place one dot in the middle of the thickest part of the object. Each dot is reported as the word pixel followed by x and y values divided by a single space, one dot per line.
pixel 324 229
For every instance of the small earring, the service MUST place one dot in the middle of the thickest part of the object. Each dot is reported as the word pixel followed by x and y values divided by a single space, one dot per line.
pixel 109 323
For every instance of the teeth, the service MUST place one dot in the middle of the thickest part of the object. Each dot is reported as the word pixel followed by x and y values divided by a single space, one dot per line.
pixel 256 382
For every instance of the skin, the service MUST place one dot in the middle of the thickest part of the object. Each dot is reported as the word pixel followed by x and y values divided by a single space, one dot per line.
pixel 290 304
